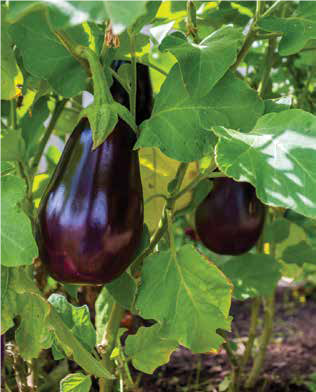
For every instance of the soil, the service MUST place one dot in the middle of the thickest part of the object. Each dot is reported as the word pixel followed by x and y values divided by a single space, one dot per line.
pixel 290 360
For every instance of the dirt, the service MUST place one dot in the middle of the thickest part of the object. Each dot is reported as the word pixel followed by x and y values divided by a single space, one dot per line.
pixel 290 359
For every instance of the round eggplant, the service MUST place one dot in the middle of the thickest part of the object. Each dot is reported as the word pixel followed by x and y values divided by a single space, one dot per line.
pixel 90 218
pixel 230 219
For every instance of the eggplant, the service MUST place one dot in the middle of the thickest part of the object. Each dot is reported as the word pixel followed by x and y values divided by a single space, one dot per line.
pixel 2 353
pixel 144 97
pixel 230 219
pixel 90 218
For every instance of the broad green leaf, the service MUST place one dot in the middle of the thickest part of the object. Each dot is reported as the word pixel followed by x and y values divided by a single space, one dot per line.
pixel 77 320
pixel 124 114
pixel 123 290
pixel 188 295
pixel 277 105
pixel 307 224
pixel 203 65
pixel 180 125
pixel 300 253
pixel 18 246
pixel 252 275
pixel 276 231
pixel 45 57
pixel 75 382
pixel 151 11
pixel 12 145
pixel 66 122
pixel 148 349
pixel 103 307
pixel 278 158
pixel 297 29
pixel 9 68
pixel 71 13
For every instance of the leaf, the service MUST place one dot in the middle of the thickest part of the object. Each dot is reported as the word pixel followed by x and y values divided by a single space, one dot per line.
pixel 45 57
pixel 179 124
pixel 203 65
pixel 193 301
pixel 72 13
pixel 66 122
pixel 307 224
pixel 125 115
pixel 12 145
pixel 18 246
pixel 9 68
pixel 102 119
pixel 277 157
pixel 148 349
pixel 277 231
pixel 252 275
pixel 103 307
pixel 77 320
pixel 75 382
pixel 297 29
pixel 277 105
pixel 151 11
pixel 299 254
pixel 123 290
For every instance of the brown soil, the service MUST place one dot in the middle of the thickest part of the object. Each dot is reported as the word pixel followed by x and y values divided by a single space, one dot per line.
pixel 290 359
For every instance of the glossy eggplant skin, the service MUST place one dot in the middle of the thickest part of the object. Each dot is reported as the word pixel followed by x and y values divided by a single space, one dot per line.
pixel 144 95
pixel 230 219
pixel 90 218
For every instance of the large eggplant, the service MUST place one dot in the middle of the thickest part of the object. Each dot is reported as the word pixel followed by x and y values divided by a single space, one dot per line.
pixel 91 216
pixel 2 353
pixel 231 217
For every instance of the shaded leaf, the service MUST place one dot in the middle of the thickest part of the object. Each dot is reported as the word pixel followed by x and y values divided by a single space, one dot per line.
pixel 299 254
pixel 75 382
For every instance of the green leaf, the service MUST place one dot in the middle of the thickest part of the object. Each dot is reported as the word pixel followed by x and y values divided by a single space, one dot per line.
pixel 71 13
pixel 179 124
pixel 9 68
pixel 103 307
pixel 123 290
pixel 151 11
pixel 75 382
pixel 148 349
pixel 307 224
pixel 67 122
pixel 299 254
pixel 102 119
pixel 77 320
pixel 18 246
pixel 45 57
pixel 277 231
pixel 277 157
pixel 277 105
pixel 297 29
pixel 193 301
pixel 125 115
pixel 12 145
pixel 252 275
pixel 203 64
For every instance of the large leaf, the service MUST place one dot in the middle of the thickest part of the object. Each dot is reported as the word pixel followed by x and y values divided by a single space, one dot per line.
pixel 278 157
pixel 69 13
pixel 179 124
pixel 18 246
pixel 103 307
pixel 203 64
pixel 252 275
pixel 193 301
pixel 45 57
pixel 8 64
pixel 299 254
pixel 75 382
pixel 123 290
pixel 297 29
pixel 148 349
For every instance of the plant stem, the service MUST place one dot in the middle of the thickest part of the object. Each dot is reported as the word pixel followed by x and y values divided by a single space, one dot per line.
pixel 56 113
pixel 108 341
pixel 233 361
pixel 191 21
pixel 264 341
pixel 133 90
pixel 151 65
pixel 273 7
pixel 255 307
pixel 269 58
pixel 13 120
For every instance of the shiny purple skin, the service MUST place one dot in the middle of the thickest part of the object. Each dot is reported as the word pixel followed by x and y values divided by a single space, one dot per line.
pixel 230 219
pixel 91 217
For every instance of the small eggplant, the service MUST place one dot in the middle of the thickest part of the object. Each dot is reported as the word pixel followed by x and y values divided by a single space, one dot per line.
pixel 230 219
pixel 90 218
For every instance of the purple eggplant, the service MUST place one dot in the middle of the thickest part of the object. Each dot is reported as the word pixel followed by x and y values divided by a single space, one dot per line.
pixel 90 218
pixel 230 219
pixel 2 353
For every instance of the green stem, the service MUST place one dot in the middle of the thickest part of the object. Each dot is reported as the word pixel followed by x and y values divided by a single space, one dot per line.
pixel 13 119
pixel 273 7
pixel 233 361
pixel 269 309
pixel 133 91
pixel 57 112
pixel 269 58
pixel 191 21
pixel 170 233
pixel 155 196
pixel 108 342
